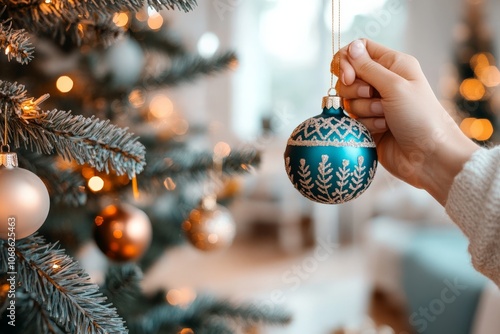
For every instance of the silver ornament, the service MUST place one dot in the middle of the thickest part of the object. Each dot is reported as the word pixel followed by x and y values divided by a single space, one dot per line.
pixel 24 199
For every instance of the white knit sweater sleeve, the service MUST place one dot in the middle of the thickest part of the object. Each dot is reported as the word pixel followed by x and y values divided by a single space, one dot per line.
pixel 474 205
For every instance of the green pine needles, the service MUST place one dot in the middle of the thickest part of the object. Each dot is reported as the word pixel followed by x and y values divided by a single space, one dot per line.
pixel 66 299
pixel 83 22
pixel 74 137
pixel 15 42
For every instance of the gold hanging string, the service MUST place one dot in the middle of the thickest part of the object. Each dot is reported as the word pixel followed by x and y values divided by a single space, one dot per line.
pixel 135 187
pixel 5 132
pixel 334 50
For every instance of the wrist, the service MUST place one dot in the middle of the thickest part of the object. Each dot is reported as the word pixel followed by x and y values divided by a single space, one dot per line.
pixel 445 162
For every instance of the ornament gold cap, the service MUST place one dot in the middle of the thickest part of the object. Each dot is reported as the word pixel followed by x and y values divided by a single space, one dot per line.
pixel 332 101
pixel 8 159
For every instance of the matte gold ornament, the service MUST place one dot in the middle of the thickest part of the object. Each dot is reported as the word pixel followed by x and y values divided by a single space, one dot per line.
pixel 24 199
pixel 210 226
pixel 122 232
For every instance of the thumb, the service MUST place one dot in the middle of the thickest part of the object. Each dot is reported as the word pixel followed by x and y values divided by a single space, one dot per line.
pixel 369 70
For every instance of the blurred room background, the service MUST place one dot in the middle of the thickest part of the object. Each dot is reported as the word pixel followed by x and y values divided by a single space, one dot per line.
pixel 390 259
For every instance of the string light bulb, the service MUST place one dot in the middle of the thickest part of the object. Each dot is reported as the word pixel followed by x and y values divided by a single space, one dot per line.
pixel 120 19
pixel 155 21
pixel 96 183
pixel 64 84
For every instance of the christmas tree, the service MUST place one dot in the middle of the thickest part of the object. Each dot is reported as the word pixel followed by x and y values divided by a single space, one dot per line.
pixel 478 75
pixel 111 165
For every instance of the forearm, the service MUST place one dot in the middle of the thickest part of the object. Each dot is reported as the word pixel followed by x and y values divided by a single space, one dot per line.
pixel 474 205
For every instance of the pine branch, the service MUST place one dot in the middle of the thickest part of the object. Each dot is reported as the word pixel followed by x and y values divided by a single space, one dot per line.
pixel 151 40
pixel 99 30
pixel 194 166
pixel 85 22
pixel 61 287
pixel 35 318
pixel 248 314
pixel 213 327
pixel 157 317
pixel 84 140
pixel 15 43
pixel 57 10
pixel 189 68
pixel 185 5
pixel 204 312
pixel 122 285
pixel 65 186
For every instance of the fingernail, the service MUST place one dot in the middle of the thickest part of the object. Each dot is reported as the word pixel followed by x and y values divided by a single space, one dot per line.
pixel 380 123
pixel 356 49
pixel 365 91
pixel 376 108
pixel 342 77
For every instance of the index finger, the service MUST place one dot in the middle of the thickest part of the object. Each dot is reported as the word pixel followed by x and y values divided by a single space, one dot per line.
pixel 345 72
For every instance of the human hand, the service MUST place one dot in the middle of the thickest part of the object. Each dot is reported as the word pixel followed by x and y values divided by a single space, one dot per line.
pixel 417 141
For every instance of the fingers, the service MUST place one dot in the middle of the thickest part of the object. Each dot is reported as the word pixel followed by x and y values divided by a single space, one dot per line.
pixel 358 89
pixel 347 72
pixel 369 70
pixel 344 71
pixel 379 66
pixel 363 108
pixel 375 125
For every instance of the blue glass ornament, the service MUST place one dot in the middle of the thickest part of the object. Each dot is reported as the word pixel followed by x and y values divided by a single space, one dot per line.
pixel 331 158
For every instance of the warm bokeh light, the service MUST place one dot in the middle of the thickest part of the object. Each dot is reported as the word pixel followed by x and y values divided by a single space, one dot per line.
pixel 181 297
pixel 95 183
pixel 489 76
pixel 88 172
pixel 222 149
pixel 120 19
pixel 117 234
pixel 56 266
pixel 480 60
pixel 472 89
pixel 233 64
pixel 484 129
pixel 155 21
pixel 110 210
pixel 141 16
pixel 180 127
pixel 7 50
pixel 98 220
pixel 479 129
pixel 169 184
pixel 64 84
pixel 161 106
pixel 136 98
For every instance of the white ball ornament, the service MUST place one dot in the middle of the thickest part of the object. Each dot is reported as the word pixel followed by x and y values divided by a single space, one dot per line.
pixel 122 63
pixel 24 199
